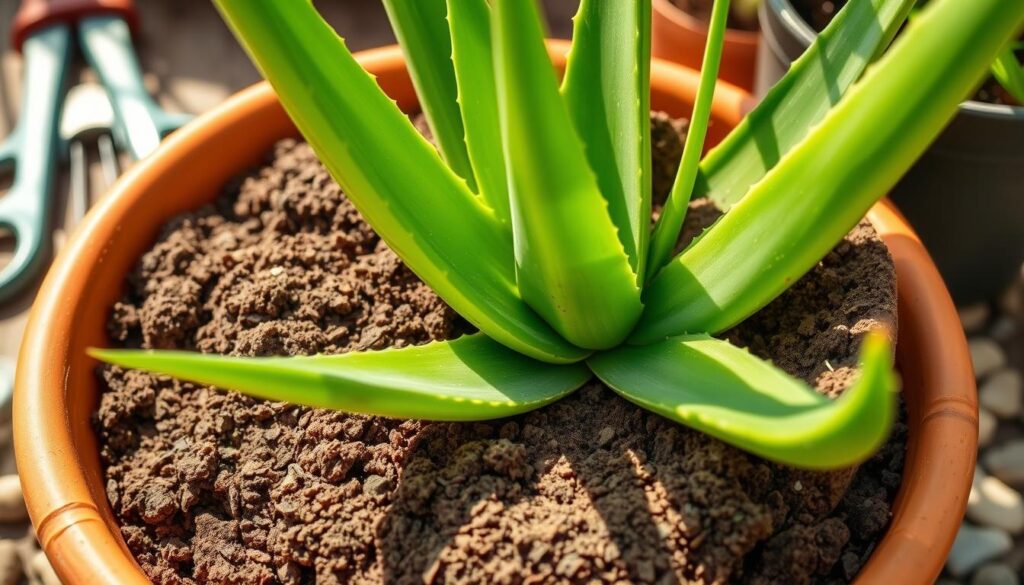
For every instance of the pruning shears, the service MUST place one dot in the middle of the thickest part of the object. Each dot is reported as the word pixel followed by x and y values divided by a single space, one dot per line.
pixel 42 32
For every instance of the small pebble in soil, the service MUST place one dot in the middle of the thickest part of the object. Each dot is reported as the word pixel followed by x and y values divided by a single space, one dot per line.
pixel 1006 461
pixel 12 505
pixel 1001 393
pixel 975 546
pixel 995 574
pixel 987 425
pixel 974 317
pixel 994 504
pixel 41 570
pixel 10 563
pixel 986 355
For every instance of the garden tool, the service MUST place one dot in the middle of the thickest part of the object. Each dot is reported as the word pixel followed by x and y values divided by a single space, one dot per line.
pixel 42 31
pixel 30 153
pixel 87 117
pixel 139 122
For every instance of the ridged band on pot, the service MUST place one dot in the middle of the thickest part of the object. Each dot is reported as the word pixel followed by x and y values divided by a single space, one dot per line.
pixel 964 196
pixel 57 388
pixel 681 37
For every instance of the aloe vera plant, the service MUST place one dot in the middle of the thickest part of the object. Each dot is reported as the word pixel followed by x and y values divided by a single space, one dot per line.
pixel 534 224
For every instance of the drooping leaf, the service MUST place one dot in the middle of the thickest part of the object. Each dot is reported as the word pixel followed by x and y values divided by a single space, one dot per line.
pixel 826 184
pixel 422 31
pixel 473 57
pixel 670 222
pixel 719 389
pixel 470 378
pixel 416 203
pixel 607 90
pixel 857 35
pixel 1008 72
pixel 570 265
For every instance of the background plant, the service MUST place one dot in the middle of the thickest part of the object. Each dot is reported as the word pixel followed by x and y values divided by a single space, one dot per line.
pixel 534 221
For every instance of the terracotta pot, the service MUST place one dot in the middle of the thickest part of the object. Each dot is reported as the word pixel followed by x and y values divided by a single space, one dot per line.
pixel 967 182
pixel 679 36
pixel 57 388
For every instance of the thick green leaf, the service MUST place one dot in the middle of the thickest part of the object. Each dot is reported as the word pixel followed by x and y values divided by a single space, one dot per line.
pixel 607 89
pixel 473 57
pixel 670 222
pixel 422 31
pixel 570 265
pixel 726 392
pixel 1008 72
pixel 826 184
pixel 816 82
pixel 470 378
pixel 422 209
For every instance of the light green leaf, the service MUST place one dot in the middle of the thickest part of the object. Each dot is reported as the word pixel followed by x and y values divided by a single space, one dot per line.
pixel 473 56
pixel 607 90
pixel 719 389
pixel 826 184
pixel 416 203
pixel 1008 72
pixel 470 378
pixel 858 34
pixel 570 265
pixel 422 31
pixel 670 222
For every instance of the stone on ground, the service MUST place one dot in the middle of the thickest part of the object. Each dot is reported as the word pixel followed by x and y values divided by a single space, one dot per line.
pixel 986 355
pixel 994 504
pixel 975 546
pixel 1001 393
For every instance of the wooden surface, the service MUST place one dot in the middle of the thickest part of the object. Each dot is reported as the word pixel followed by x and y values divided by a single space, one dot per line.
pixel 192 64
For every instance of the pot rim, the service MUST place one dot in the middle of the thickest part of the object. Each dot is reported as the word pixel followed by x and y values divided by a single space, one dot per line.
pixel 56 448
pixel 685 20
pixel 790 18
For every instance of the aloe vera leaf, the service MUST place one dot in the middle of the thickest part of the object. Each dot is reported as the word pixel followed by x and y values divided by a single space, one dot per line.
pixel 470 378
pixel 724 391
pixel 670 222
pixel 422 31
pixel 570 266
pixel 423 210
pixel 815 82
pixel 826 184
pixel 473 57
pixel 1008 72
pixel 607 90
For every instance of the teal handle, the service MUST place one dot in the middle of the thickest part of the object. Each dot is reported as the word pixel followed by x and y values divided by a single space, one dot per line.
pixel 139 122
pixel 31 150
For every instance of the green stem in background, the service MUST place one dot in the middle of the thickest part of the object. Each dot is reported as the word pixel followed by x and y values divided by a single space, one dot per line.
pixel 826 184
pixel 473 57
pixel 815 82
pixel 1008 72
pixel 607 90
pixel 570 265
pixel 714 387
pixel 423 210
pixel 470 378
pixel 670 222
pixel 422 31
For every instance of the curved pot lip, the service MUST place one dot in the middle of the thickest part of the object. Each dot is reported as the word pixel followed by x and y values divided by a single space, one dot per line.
pixel 56 448
pixel 687 21
pixel 789 18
